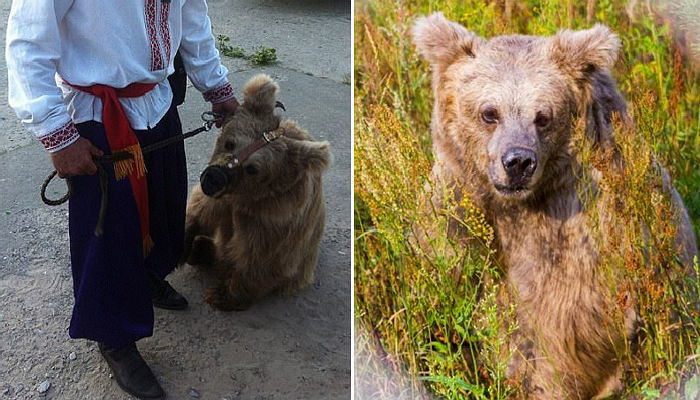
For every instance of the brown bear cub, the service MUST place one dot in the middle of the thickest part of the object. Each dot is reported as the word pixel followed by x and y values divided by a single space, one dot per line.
pixel 255 221
pixel 503 117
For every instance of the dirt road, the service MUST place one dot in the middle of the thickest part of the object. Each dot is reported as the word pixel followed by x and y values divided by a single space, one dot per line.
pixel 281 348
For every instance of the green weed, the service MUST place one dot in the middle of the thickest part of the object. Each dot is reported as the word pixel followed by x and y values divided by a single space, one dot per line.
pixel 261 56
pixel 227 50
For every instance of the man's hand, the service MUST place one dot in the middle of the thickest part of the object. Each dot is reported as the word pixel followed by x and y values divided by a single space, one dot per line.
pixel 76 159
pixel 225 108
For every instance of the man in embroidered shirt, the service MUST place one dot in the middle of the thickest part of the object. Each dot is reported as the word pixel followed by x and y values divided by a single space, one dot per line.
pixel 87 78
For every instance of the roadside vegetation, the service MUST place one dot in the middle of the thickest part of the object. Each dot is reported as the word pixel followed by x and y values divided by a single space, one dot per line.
pixel 420 330
pixel 261 55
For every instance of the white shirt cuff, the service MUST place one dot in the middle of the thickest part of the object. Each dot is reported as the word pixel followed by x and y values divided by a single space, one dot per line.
pixel 220 94
pixel 60 138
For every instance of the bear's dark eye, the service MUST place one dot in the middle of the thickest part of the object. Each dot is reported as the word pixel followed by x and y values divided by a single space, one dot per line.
pixel 542 120
pixel 589 69
pixel 490 115
pixel 251 170
pixel 229 145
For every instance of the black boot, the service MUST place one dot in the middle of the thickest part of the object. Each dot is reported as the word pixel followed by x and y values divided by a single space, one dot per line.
pixel 131 372
pixel 164 296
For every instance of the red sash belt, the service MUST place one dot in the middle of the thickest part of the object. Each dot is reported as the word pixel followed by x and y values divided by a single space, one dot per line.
pixel 121 137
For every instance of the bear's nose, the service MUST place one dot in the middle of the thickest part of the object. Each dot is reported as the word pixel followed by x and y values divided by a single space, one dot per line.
pixel 213 180
pixel 519 163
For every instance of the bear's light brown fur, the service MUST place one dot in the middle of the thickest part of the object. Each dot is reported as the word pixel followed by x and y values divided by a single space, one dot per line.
pixel 524 92
pixel 262 233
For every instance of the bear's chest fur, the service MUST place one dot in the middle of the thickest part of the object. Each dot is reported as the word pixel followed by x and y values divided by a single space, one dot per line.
pixel 563 295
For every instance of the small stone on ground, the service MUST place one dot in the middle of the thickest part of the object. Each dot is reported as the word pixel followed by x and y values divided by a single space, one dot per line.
pixel 44 386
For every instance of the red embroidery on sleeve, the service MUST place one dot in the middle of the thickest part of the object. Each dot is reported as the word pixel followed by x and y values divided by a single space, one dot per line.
pixel 220 94
pixel 60 138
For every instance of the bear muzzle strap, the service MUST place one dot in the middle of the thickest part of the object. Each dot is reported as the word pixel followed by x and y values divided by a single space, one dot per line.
pixel 264 139
pixel 215 178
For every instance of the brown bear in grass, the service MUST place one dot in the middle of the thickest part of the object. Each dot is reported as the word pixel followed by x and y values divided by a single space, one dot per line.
pixel 255 221
pixel 503 117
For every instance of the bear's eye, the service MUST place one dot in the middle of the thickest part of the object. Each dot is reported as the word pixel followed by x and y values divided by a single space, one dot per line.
pixel 251 170
pixel 229 145
pixel 490 115
pixel 542 120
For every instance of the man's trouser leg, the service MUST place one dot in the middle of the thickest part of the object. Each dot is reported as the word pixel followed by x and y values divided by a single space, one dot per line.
pixel 112 295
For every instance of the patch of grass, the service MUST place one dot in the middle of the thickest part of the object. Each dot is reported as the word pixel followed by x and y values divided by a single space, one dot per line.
pixel 235 52
pixel 418 317
pixel 261 56
pixel 222 43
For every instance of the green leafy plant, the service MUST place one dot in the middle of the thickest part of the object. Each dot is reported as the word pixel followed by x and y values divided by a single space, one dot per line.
pixel 262 56
pixel 222 43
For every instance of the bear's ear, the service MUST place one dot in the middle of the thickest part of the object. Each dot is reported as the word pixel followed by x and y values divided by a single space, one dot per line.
pixel 580 53
pixel 312 156
pixel 442 41
pixel 586 57
pixel 260 94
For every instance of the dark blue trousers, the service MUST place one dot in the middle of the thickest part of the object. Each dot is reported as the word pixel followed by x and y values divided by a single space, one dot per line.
pixel 110 275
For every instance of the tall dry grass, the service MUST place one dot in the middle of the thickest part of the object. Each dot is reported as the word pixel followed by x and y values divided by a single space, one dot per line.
pixel 421 331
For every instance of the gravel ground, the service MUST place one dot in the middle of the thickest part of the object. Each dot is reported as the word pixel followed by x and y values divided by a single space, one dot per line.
pixel 282 348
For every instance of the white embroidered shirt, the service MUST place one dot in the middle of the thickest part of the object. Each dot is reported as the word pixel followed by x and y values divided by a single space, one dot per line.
pixel 114 43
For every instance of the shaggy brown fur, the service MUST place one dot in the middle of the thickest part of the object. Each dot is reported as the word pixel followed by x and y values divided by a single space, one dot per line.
pixel 262 233
pixel 501 128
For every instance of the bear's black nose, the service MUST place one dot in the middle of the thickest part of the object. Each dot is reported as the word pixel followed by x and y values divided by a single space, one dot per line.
pixel 213 180
pixel 519 163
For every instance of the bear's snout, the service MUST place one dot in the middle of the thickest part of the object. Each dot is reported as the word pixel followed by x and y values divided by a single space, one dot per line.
pixel 215 179
pixel 520 164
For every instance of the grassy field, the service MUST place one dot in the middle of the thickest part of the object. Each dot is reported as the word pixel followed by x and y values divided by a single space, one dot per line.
pixel 420 330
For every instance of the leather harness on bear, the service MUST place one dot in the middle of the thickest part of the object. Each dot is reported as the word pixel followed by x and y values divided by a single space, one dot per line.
pixel 214 178
pixel 264 139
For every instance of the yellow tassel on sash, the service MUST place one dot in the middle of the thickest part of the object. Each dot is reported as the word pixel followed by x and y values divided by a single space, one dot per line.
pixel 147 245
pixel 124 168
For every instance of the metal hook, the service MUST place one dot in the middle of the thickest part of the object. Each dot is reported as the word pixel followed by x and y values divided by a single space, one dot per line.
pixel 210 118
